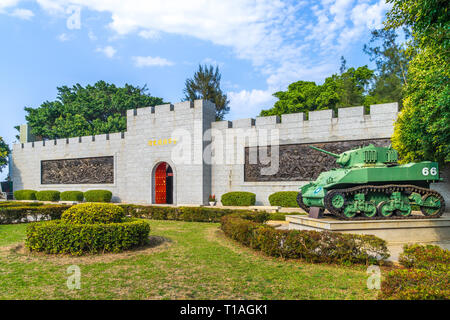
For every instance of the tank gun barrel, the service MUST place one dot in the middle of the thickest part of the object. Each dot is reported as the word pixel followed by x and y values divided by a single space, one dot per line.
pixel 326 152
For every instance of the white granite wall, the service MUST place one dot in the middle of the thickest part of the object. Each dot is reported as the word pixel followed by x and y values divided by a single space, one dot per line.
pixel 231 138
pixel 134 158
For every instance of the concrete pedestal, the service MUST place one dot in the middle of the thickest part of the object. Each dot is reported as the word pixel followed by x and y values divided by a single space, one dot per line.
pixel 396 232
pixel 393 231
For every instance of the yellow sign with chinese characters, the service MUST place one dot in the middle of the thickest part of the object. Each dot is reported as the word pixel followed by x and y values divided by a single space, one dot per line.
pixel 161 142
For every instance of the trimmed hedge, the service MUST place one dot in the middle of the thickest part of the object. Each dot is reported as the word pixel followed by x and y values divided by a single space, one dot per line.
pixel 98 196
pixel 287 199
pixel 75 239
pixel 423 276
pixel 311 246
pixel 25 194
pixel 21 214
pixel 90 213
pixel 197 214
pixel 4 204
pixel 48 195
pixel 238 198
pixel 72 196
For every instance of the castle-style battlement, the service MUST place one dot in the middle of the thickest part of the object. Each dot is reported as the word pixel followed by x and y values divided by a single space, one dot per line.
pixel 178 136
pixel 387 111
pixel 324 121
pixel 134 116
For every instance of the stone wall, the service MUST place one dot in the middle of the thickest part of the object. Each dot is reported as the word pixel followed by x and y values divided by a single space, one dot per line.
pixel 150 139
pixel 98 170
pixel 298 162
pixel 322 129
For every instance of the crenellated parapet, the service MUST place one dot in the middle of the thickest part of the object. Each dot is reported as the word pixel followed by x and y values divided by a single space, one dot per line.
pixel 137 119
pixel 323 125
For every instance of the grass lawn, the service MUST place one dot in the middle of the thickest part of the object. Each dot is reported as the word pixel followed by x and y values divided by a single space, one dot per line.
pixel 194 261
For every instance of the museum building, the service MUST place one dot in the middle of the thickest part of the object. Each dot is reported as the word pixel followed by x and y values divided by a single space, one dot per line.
pixel 178 153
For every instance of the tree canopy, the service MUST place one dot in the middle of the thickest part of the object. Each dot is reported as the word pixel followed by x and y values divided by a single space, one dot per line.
pixel 422 131
pixel 81 111
pixel 391 59
pixel 4 151
pixel 349 88
pixel 206 85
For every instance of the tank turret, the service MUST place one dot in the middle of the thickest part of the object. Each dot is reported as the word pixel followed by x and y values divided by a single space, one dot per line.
pixel 365 156
pixel 371 185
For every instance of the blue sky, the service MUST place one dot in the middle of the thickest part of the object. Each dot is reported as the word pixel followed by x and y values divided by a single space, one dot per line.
pixel 259 46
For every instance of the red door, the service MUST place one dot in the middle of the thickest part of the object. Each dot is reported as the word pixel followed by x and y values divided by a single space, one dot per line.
pixel 160 183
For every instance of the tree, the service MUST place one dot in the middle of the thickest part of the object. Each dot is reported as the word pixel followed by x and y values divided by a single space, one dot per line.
pixel 4 151
pixel 392 62
pixel 428 19
pixel 346 89
pixel 422 131
pixel 82 111
pixel 206 85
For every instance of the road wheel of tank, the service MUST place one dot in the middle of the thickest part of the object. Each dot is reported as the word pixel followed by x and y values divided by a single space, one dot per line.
pixel 371 210
pixel 338 200
pixel 406 212
pixel 383 209
pixel 432 205
pixel 300 202
pixel 348 213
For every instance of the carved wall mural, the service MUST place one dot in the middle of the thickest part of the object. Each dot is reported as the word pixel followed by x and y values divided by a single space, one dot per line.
pixel 298 162
pixel 95 170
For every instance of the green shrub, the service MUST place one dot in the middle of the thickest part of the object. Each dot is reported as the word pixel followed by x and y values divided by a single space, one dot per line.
pixel 5 204
pixel 287 199
pixel 415 284
pixel 47 195
pixel 312 246
pixel 21 214
pixel 75 239
pixel 89 213
pixel 428 257
pixel 423 275
pixel 98 196
pixel 25 194
pixel 198 214
pixel 72 196
pixel 238 198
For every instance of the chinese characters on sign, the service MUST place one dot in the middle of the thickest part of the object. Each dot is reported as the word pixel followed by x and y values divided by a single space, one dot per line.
pixel 161 142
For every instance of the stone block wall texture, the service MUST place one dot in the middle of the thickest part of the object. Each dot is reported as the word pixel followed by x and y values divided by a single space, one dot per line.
pixel 292 133
pixel 134 158
pixel 206 157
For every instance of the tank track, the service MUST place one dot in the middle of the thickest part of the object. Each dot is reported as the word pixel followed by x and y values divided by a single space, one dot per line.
pixel 300 202
pixel 407 189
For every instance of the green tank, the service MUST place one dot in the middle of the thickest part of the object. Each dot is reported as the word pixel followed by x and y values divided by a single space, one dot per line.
pixel 371 185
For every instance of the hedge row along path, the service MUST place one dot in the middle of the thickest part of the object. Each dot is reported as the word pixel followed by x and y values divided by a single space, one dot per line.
pixel 196 261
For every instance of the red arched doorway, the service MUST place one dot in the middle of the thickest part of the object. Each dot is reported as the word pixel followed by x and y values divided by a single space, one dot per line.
pixel 163 184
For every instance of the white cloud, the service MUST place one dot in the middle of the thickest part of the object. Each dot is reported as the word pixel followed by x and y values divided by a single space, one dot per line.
pixel 63 37
pixel 151 62
pixel 212 62
pixel 23 14
pixel 92 36
pixel 245 103
pixel 7 4
pixel 107 51
pixel 284 39
pixel 149 34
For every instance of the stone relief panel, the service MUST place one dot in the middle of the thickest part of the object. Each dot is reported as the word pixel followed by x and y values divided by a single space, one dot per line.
pixel 298 162
pixel 94 170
